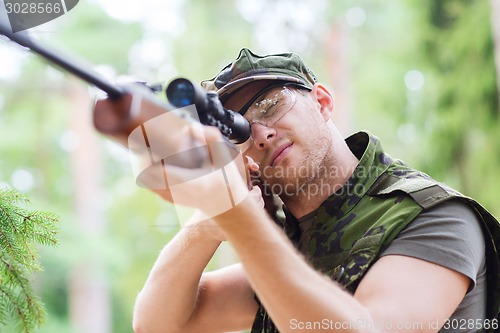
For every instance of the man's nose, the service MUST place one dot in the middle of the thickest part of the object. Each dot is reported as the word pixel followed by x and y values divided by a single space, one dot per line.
pixel 262 135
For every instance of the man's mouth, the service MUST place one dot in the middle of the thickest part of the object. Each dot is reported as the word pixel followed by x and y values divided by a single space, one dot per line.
pixel 280 153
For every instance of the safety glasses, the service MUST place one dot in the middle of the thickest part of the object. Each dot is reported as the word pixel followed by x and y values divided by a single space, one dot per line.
pixel 267 110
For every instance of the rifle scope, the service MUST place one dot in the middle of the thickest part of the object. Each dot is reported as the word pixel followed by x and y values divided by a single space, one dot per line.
pixel 181 92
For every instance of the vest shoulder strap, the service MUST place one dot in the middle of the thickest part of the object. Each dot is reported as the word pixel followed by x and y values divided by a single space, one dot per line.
pixel 425 191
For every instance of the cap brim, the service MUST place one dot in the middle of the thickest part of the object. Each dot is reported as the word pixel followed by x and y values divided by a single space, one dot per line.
pixel 232 87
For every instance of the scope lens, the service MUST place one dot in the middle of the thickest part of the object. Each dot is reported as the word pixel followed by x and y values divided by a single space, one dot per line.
pixel 180 93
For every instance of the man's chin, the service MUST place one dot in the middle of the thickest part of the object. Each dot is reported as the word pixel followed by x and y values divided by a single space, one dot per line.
pixel 281 186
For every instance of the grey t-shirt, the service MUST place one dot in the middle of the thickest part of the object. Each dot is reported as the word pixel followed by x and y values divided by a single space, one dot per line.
pixel 450 235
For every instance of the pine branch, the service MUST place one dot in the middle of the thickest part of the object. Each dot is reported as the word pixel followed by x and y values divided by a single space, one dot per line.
pixel 20 231
pixel 9 298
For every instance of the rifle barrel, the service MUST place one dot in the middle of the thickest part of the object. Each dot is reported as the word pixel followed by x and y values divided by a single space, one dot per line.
pixel 69 63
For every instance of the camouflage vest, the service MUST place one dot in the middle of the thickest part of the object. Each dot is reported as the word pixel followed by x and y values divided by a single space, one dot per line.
pixel 352 227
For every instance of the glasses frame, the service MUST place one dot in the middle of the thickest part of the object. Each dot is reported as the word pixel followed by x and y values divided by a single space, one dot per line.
pixel 245 107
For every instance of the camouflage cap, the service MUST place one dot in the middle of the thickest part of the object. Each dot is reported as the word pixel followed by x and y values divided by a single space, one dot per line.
pixel 248 67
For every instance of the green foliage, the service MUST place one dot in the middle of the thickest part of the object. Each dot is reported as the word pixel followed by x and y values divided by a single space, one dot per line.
pixel 454 117
pixel 97 38
pixel 214 34
pixel 20 231
pixel 462 116
pixel 450 128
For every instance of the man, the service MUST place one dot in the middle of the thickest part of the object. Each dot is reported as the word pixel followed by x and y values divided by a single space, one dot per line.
pixel 368 244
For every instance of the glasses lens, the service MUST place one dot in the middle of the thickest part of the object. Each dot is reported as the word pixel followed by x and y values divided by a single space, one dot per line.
pixel 268 111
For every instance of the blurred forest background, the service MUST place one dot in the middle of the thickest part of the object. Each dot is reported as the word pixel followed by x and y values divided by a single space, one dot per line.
pixel 420 74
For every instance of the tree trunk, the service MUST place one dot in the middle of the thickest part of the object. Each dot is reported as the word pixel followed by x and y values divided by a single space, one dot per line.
pixel 89 302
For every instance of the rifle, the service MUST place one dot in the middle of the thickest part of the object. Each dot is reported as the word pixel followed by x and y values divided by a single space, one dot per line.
pixel 152 129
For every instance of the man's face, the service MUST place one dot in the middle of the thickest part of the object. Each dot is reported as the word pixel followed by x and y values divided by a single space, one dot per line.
pixel 289 141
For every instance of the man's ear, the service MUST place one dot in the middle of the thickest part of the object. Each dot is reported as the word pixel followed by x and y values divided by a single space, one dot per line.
pixel 325 100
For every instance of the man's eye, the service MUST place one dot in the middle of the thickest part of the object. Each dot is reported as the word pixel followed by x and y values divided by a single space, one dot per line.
pixel 275 109
pixel 264 111
pixel 267 113
pixel 266 103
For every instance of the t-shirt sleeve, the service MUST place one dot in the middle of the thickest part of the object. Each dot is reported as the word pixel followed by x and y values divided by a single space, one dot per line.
pixel 448 234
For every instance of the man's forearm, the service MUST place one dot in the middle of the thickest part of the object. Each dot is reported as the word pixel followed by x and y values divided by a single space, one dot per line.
pixel 169 296
pixel 287 286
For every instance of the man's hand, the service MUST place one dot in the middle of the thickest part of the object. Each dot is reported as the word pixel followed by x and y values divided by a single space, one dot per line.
pixel 202 221
pixel 219 185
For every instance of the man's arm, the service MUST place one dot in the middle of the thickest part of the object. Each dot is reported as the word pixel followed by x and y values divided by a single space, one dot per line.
pixel 178 298
pixel 293 292
pixel 411 293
